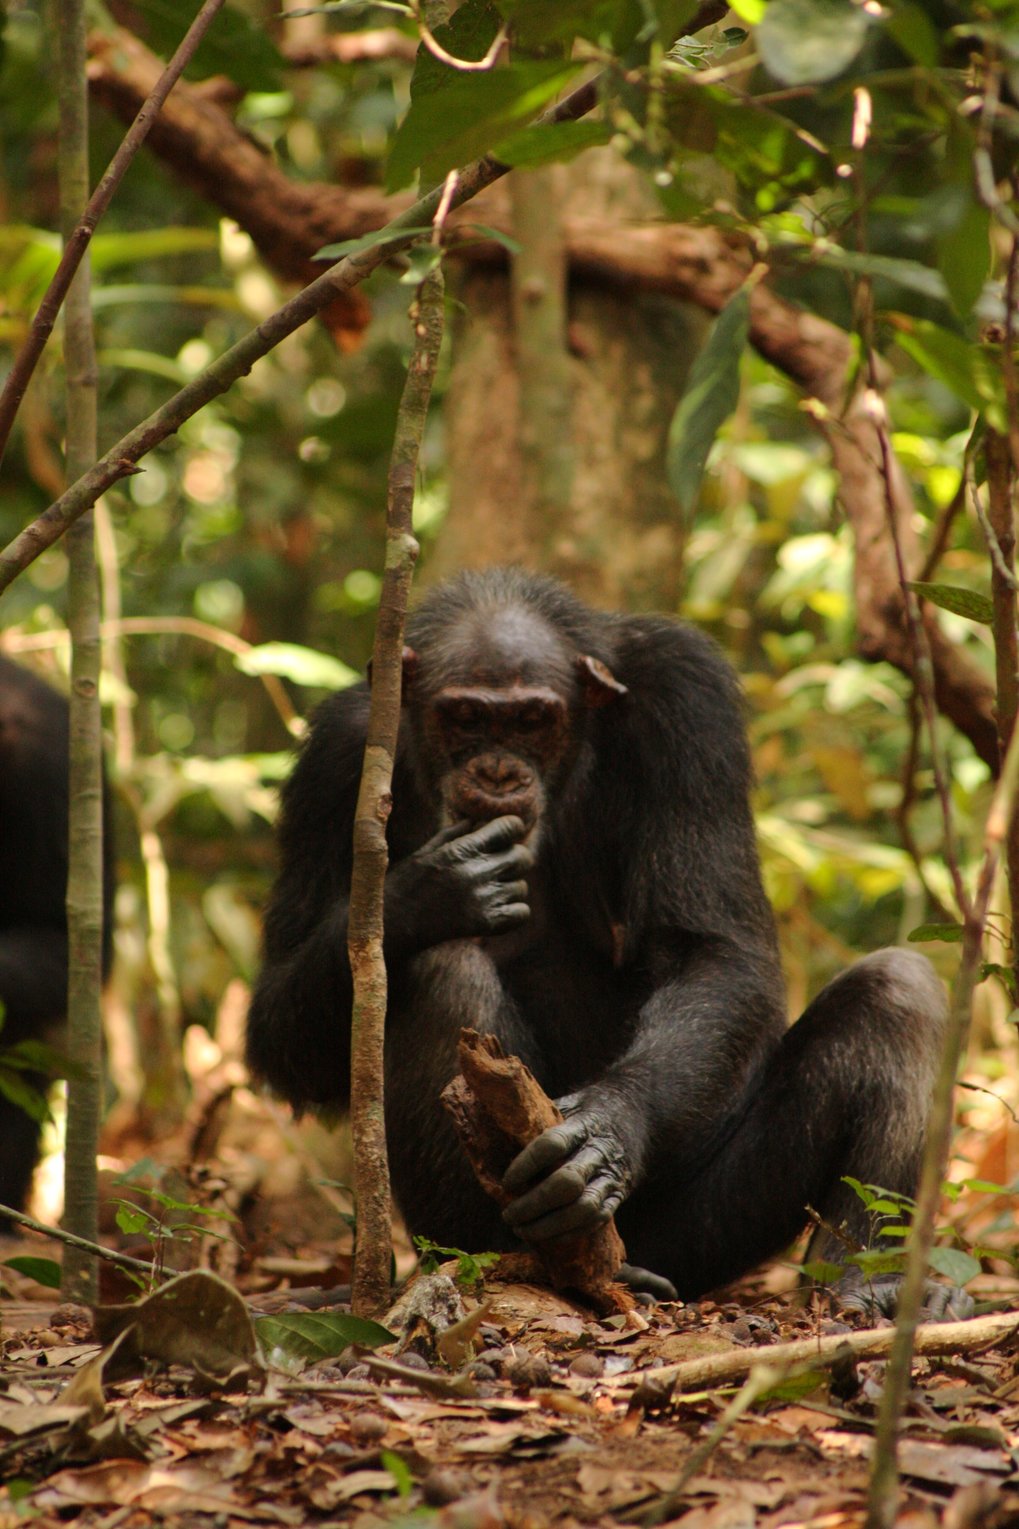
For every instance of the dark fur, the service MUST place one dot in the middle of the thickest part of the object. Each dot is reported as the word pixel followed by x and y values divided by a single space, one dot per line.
pixel 647 976
pixel 33 889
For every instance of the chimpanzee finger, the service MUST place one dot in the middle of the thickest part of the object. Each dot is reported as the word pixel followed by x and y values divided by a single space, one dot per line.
pixel 583 1175
pixel 588 1211
pixel 498 834
pixel 513 863
pixel 543 1154
pixel 502 918
pixel 644 1282
pixel 446 835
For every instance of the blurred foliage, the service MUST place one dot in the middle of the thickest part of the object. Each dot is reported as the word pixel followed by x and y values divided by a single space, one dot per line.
pixel 261 522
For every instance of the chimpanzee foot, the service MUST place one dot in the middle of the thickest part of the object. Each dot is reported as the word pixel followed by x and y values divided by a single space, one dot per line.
pixel 879 1297
pixel 647 1287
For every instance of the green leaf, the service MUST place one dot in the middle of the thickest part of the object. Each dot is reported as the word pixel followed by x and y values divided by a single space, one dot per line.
pixel 422 262
pixel 45 1271
pixel 711 395
pixel 470 1266
pixel 804 42
pixel 954 1264
pixel 472 112
pixel 302 665
pixel 107 251
pixel 317 1335
pixel 399 1470
pixel 906 273
pixel 134 1221
pixel 964 257
pixel 612 23
pixel 233 45
pixel 367 242
pixel 961 602
pixel 822 1272
pixel 482 231
pixel 947 934
pixel 37 1056
pixel 971 372
pixel 16 1091
pixel 543 144
pixel 872 1261
pixel 914 32
pixel 795 1386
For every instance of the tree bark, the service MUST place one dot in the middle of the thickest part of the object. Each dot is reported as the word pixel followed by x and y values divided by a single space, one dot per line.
pixel 85 848
pixel 371 858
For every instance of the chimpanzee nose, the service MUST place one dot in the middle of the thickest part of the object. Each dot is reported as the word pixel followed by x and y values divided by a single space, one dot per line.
pixel 501 775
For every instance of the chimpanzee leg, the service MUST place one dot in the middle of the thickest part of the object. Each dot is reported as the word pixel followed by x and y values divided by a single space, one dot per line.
pixel 846 1092
pixel 452 986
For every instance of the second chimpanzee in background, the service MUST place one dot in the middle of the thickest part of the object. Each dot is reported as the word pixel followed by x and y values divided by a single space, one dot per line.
pixel 33 888
pixel 573 867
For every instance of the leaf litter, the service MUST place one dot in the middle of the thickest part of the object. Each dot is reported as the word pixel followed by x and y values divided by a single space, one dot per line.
pixel 504 1407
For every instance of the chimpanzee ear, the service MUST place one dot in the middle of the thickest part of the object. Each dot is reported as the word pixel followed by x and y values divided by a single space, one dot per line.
pixel 409 661
pixel 410 669
pixel 600 686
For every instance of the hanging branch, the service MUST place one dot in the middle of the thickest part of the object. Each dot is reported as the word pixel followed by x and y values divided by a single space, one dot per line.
pixel 85 828
pixel 365 931
pixel 78 238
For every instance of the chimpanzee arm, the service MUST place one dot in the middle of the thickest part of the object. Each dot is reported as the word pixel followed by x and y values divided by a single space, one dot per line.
pixel 672 781
pixel 33 979
pixel 698 1042
pixel 455 884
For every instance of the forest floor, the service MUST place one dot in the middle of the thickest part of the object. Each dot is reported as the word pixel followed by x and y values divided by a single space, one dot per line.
pixel 506 1405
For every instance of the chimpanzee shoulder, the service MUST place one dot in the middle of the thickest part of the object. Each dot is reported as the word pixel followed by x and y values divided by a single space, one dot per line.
pixel 663 813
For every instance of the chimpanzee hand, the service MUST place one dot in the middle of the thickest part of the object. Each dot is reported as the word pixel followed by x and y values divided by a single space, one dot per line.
pixel 582 1174
pixel 463 882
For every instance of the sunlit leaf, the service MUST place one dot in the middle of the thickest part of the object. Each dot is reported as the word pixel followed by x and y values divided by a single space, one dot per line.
pixel 971 372
pixel 804 42
pixel 961 602
pixel 822 1272
pixel 450 127
pixel 45 1271
pixel 947 934
pixel 108 250
pixel 550 143
pixel 367 242
pixel 309 1336
pixel 302 665
pixel 954 1264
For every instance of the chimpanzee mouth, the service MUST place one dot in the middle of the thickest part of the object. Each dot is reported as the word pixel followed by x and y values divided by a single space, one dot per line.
pixel 482 806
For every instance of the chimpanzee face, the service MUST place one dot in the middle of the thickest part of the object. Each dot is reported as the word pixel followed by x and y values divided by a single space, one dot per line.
pixel 499 713
pixel 502 746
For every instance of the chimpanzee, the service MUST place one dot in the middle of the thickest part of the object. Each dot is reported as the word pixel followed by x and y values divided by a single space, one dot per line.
pixel 573 867
pixel 33 887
